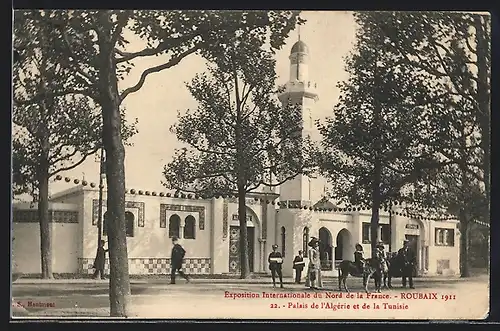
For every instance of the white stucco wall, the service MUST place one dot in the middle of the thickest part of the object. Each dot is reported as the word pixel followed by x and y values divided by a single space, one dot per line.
pixel 26 248
pixel 77 241
pixel 152 241
pixel 431 258
pixel 76 197
pixel 64 239
pixel 219 242
pixel 294 221
pixel 65 247
pixel 444 255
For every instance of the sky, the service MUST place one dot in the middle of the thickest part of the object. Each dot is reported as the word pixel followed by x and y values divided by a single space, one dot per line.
pixel 330 37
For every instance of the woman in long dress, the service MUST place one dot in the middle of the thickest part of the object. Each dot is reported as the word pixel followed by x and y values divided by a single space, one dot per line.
pixel 313 279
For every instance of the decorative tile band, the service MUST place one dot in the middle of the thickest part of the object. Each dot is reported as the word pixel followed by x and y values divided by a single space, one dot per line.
pixel 128 204
pixel 55 216
pixel 248 201
pixel 189 208
pixel 95 210
pixel 225 219
pixel 163 216
pixel 150 266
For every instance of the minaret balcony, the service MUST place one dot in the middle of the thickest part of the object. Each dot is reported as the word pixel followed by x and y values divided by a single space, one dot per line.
pixel 309 88
pixel 297 85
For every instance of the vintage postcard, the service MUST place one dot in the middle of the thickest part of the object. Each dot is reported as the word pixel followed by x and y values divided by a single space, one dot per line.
pixel 251 165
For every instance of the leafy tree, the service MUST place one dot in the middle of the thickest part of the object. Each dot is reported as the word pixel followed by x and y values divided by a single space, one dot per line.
pixel 52 132
pixel 455 189
pixel 378 145
pixel 453 50
pixel 94 44
pixel 21 183
pixel 239 137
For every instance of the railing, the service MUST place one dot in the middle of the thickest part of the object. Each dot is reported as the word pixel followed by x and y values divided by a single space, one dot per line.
pixel 307 84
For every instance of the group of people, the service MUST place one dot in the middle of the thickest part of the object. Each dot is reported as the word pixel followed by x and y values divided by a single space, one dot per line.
pixel 406 255
pixel 275 259
pixel 313 276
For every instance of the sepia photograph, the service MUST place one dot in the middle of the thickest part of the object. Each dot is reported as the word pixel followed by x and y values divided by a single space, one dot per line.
pixel 250 165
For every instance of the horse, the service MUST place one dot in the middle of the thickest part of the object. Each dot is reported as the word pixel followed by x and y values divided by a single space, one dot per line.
pixel 372 268
pixel 396 265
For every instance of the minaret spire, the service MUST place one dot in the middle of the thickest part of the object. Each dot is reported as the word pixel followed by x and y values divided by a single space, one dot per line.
pixel 299 90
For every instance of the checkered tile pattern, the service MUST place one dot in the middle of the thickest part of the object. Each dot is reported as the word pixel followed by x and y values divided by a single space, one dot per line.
pixel 152 266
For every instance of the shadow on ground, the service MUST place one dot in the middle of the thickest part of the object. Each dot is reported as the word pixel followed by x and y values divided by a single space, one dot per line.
pixel 73 290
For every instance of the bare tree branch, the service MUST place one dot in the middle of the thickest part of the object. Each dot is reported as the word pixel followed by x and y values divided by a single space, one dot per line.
pixel 469 46
pixel 163 46
pixel 75 164
pixel 72 56
pixel 122 21
pixel 262 182
pixel 173 61
pixel 412 177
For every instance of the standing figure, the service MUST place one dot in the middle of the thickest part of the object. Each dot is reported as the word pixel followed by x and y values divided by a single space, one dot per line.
pixel 275 263
pixel 384 263
pixel 409 261
pixel 298 265
pixel 100 260
pixel 176 261
pixel 359 259
pixel 313 279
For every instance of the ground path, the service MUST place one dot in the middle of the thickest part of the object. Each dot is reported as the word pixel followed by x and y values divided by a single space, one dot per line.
pixel 204 298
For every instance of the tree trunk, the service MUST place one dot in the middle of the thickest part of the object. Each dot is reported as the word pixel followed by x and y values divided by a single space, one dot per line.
pixel 377 168
pixel 240 160
pixel 242 215
pixel 375 207
pixel 464 245
pixel 43 214
pixel 119 283
pixel 463 214
pixel 483 94
pixel 43 133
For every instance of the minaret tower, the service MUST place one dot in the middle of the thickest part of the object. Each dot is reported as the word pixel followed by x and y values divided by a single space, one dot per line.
pixel 299 90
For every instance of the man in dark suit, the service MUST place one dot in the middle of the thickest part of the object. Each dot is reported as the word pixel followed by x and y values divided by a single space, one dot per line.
pixel 275 262
pixel 409 261
pixel 298 265
pixel 176 261
pixel 100 261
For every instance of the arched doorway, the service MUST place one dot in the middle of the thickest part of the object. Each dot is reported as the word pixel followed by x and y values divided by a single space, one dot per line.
pixel 234 242
pixel 416 234
pixel 344 248
pixel 325 249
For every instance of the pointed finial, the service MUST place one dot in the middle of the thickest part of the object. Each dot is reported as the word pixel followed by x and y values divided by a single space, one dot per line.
pixel 299 31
